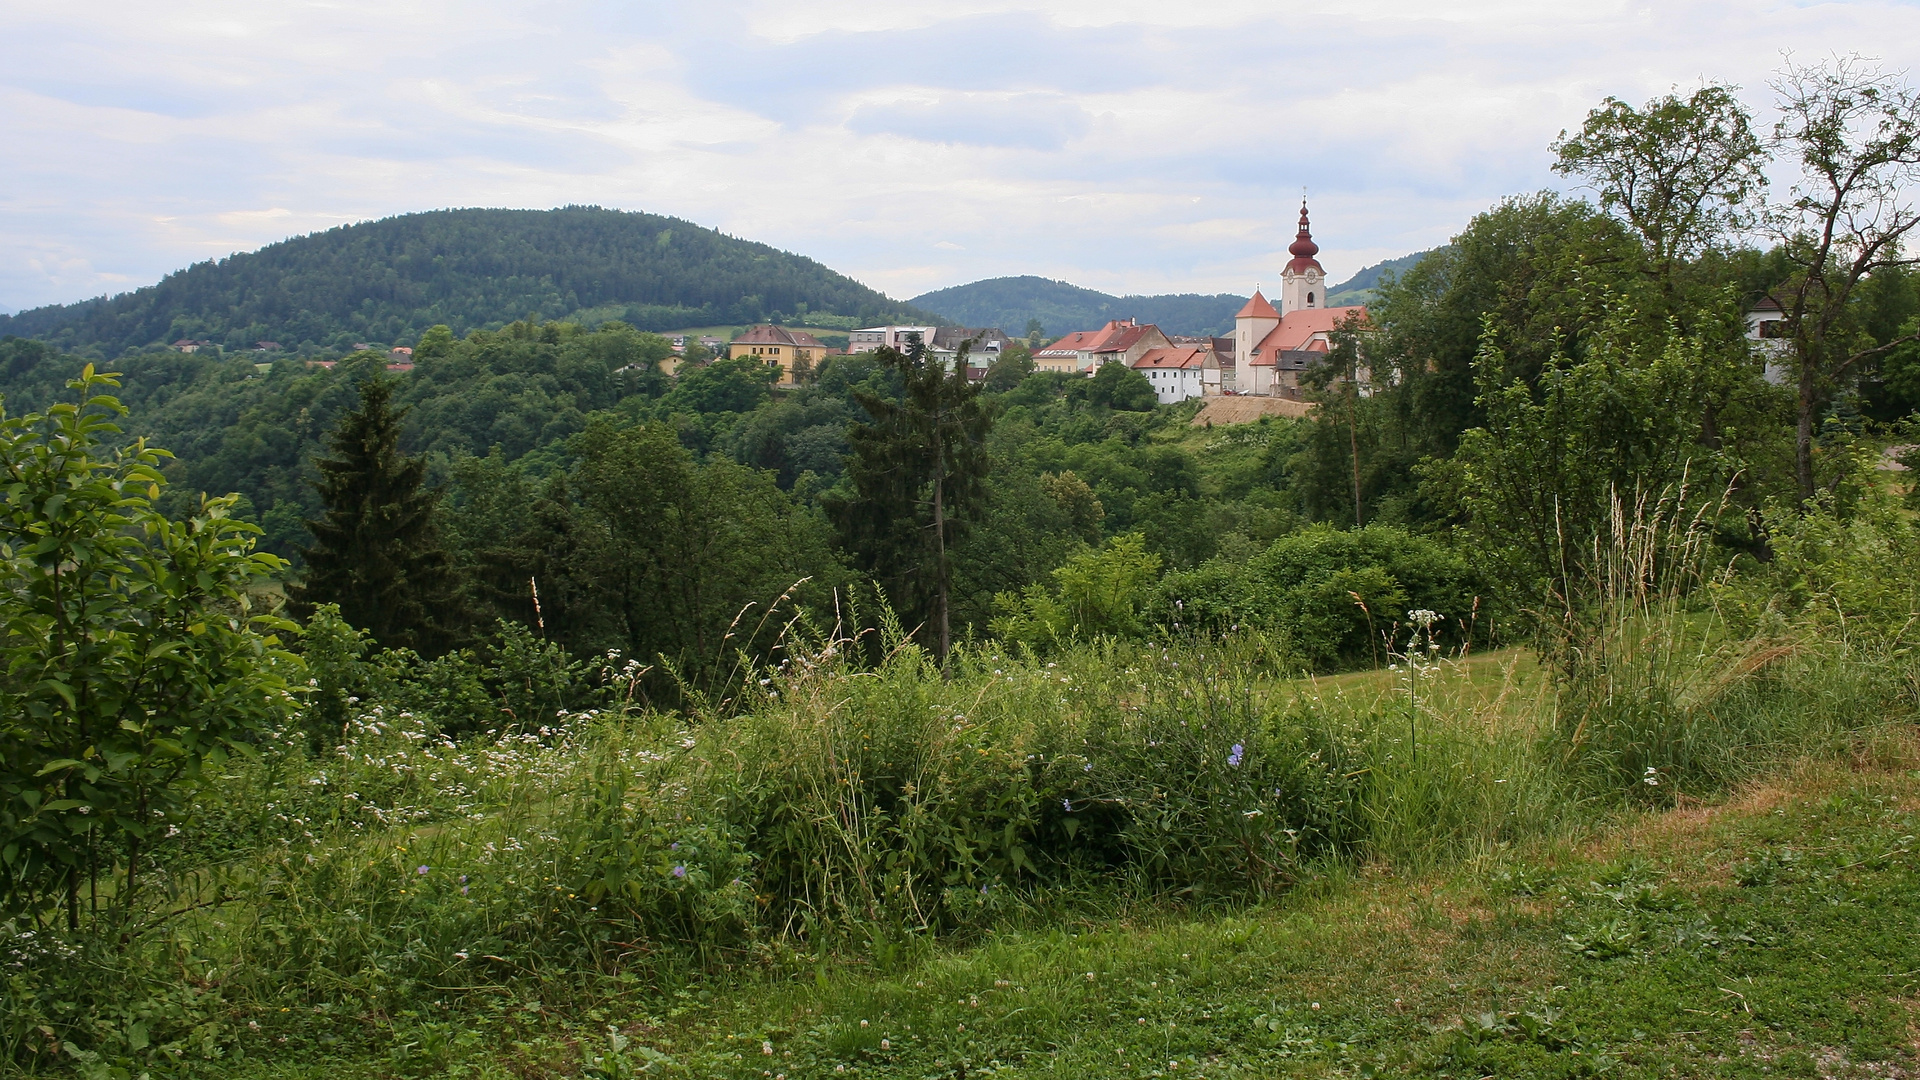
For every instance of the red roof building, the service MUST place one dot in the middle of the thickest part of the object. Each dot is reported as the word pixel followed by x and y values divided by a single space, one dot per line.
pixel 1180 372
pixel 1120 341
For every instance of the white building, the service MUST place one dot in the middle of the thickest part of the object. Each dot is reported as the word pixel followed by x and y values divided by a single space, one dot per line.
pixel 1180 372
pixel 945 344
pixel 886 337
pixel 1121 341
pixel 1767 329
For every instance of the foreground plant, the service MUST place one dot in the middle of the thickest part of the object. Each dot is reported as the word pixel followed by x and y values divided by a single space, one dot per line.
pixel 132 658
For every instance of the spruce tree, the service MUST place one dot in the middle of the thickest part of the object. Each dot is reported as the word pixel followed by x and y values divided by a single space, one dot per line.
pixel 376 549
pixel 918 474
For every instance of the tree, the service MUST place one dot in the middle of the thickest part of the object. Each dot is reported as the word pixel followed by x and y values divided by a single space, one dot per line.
pixel 687 549
pixel 1854 130
pixel 1116 386
pixel 918 478
pixel 133 659
pixel 376 550
pixel 1681 173
pixel 1014 365
pixel 1336 381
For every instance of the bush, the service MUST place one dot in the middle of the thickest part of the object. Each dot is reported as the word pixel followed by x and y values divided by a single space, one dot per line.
pixel 132 659
pixel 1336 594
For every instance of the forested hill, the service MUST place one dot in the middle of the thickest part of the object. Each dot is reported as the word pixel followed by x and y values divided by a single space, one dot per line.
pixel 387 281
pixel 1363 286
pixel 1010 302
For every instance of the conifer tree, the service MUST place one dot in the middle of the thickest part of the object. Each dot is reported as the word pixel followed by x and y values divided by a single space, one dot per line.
pixel 376 550
pixel 918 473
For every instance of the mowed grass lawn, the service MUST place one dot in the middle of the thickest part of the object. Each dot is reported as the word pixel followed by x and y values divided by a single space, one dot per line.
pixel 1773 934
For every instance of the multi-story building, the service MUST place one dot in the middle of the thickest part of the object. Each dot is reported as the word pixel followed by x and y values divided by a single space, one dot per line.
pixel 779 348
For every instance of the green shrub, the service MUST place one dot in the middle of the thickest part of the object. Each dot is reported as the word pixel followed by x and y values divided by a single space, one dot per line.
pixel 1336 594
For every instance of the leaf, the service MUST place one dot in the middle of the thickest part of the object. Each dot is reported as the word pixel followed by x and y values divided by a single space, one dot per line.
pixel 56 766
pixel 58 687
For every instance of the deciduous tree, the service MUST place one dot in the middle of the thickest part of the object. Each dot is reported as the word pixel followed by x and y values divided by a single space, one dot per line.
pixel 1854 130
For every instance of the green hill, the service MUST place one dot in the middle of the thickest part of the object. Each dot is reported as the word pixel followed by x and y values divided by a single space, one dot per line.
pixel 387 281
pixel 1010 302
pixel 1359 288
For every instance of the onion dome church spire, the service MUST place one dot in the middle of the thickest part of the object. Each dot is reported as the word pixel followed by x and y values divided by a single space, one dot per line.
pixel 1303 283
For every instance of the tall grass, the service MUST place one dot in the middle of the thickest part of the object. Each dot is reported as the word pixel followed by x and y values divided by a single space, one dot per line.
pixel 1664 693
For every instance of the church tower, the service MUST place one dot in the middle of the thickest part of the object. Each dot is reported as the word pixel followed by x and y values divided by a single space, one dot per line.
pixel 1303 284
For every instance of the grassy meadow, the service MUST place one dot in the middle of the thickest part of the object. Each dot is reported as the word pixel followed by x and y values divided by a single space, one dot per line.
pixel 1120 859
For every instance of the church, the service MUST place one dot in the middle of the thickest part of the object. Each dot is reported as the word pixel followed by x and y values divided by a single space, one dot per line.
pixel 1272 347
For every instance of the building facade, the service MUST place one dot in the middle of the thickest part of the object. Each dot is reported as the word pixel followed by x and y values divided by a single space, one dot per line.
pixel 787 351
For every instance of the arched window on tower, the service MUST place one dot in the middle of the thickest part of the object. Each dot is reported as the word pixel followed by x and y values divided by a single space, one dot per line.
pixel 1309 299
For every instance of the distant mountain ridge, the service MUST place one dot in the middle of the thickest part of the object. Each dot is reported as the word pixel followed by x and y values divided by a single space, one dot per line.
pixel 1061 308
pixel 387 281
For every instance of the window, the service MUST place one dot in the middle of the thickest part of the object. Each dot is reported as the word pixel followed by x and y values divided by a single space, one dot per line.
pixel 1309 299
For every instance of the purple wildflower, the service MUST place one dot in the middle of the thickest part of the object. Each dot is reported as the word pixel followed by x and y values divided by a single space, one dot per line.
pixel 422 871
pixel 680 871
pixel 1238 755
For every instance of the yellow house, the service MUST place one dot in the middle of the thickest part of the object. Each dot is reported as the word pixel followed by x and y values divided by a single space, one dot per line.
pixel 779 348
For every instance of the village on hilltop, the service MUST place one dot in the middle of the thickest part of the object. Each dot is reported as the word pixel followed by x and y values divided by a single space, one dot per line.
pixel 1267 353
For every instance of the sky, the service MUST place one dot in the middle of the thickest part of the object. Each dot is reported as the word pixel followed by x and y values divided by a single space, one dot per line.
pixel 1133 146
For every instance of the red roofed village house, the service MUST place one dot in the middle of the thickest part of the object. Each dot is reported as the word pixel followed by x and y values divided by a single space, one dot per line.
pixel 1122 341
pixel 1180 372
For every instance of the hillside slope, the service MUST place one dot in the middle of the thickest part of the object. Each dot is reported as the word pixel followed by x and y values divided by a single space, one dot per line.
pixel 1359 288
pixel 387 281
pixel 1010 302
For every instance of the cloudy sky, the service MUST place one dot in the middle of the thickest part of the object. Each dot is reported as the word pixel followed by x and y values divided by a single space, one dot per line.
pixel 1127 145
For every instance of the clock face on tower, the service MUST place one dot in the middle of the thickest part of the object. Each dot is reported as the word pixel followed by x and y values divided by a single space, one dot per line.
pixel 1312 276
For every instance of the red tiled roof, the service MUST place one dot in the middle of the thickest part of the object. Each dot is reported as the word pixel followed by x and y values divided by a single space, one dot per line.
pixel 1075 342
pixel 1258 308
pixel 1116 336
pixel 1182 356
pixel 1298 329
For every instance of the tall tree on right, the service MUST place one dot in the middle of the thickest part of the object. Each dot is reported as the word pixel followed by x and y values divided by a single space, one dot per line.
pixel 918 474
pixel 1854 130
pixel 1684 173
pixel 376 549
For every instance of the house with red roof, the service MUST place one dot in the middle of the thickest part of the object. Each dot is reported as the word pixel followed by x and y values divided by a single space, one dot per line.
pixel 1121 341
pixel 1180 372
pixel 1273 346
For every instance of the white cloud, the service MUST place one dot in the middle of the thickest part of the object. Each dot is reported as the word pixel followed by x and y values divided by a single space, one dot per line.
pixel 1130 145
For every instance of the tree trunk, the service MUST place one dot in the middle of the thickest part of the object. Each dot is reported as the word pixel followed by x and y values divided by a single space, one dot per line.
pixel 940 534
pixel 1353 444
pixel 1803 432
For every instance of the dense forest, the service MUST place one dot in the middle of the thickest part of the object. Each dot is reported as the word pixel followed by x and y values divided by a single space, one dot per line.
pixel 388 281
